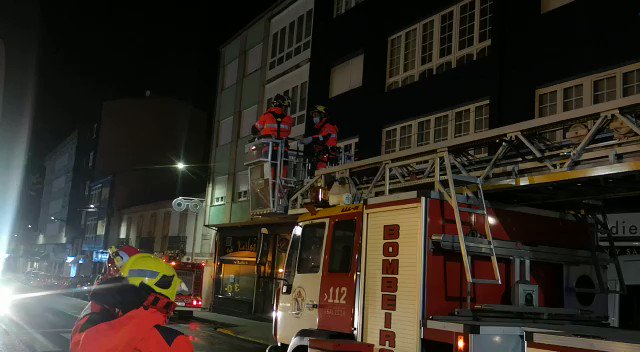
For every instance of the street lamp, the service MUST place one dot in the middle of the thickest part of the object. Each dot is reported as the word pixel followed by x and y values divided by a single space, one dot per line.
pixel 180 166
pixel 53 218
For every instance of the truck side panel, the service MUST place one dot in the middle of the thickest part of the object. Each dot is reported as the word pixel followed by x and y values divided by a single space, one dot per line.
pixel 393 277
pixel 447 287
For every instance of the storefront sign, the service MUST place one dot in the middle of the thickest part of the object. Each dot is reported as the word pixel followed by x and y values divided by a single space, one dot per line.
pixel 241 244
pixel 389 285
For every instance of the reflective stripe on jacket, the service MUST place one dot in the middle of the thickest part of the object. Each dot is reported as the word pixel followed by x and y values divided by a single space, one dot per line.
pixel 275 123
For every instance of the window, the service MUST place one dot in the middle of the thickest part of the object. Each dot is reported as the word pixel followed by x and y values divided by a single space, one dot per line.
pixel 410 50
pixel 302 103
pixel 482 118
pixel 348 150
pixel 547 103
pixel 346 76
pixel 467 16
pixel 311 243
pixel 291 34
pixel 242 185
pixel 390 137
pixel 292 257
pixel 86 188
pixel 427 43
pixel 448 39
pixel 153 218
pixel 424 132
pixel 604 90
pixel 274 45
pixel 294 101
pixel 299 29
pixel 342 242
pixel 219 190
pixel 230 74
pixel 140 225
pixel 248 119
pixel 406 137
pixel 224 132
pixel 342 6
pixel 446 34
pixel 254 59
pixel 307 24
pixel 394 57
pixel 485 20
pixel 441 129
pixel 572 98
pixel 91 156
pixel 631 83
pixel 282 40
pixel 462 123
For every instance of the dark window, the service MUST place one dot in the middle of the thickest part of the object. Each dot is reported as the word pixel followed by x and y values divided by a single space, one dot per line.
pixel 310 258
pixel 307 24
pixel 292 28
pixel 274 45
pixel 344 233
pixel 282 40
pixel 299 29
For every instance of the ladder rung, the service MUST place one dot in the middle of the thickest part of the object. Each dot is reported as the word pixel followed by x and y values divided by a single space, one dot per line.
pixel 485 281
pixel 471 210
pixel 468 179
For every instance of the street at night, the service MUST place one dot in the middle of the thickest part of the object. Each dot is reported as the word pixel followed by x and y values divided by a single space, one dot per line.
pixel 320 176
pixel 43 322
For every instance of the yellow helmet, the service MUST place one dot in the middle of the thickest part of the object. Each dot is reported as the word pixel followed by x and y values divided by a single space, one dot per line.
pixel 152 271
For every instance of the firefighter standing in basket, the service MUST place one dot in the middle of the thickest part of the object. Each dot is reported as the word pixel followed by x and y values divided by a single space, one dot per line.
pixel 325 143
pixel 277 124
pixel 130 312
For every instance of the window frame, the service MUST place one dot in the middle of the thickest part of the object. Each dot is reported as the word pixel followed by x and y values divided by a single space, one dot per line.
pixel 325 222
pixel 431 131
pixel 437 64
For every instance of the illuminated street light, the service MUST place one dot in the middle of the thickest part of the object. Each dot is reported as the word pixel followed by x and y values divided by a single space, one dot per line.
pixel 29 226
pixel 180 166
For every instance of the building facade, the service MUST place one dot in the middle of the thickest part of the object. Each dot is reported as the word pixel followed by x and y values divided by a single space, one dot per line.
pixel 425 73
pixel 53 236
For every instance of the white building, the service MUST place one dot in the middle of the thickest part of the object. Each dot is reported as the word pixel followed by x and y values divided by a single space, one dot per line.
pixel 158 228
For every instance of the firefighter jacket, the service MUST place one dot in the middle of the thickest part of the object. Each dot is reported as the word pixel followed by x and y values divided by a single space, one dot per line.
pixel 328 135
pixel 274 123
pixel 111 322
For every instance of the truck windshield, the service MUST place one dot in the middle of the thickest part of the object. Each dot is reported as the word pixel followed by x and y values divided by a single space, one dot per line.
pixel 187 278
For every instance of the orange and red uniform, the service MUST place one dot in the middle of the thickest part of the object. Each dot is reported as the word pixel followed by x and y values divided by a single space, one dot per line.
pixel 104 327
pixel 326 142
pixel 274 123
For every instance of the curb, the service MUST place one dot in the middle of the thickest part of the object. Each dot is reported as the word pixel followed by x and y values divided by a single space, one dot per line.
pixel 232 333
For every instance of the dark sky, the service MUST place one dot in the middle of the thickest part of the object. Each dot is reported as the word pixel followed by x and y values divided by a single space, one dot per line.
pixel 94 51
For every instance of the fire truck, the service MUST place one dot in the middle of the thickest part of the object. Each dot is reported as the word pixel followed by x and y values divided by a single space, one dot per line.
pixel 189 298
pixel 489 242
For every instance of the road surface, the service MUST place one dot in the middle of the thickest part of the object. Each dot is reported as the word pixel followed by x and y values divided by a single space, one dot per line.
pixel 44 323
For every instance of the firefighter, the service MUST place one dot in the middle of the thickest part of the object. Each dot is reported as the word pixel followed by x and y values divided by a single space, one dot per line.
pixel 130 312
pixel 325 143
pixel 277 124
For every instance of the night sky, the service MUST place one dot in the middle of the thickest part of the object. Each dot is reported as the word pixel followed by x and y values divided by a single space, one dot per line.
pixel 90 52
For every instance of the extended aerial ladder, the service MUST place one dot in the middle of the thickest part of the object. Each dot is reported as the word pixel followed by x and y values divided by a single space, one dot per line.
pixel 557 162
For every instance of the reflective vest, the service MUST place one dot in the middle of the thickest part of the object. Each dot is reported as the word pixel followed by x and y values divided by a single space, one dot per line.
pixel 275 123
pixel 328 135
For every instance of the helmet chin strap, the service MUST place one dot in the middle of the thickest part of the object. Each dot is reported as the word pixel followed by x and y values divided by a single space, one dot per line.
pixel 160 303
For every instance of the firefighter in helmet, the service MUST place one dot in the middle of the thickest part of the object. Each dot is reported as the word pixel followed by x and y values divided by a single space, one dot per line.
pixel 277 124
pixel 325 142
pixel 130 312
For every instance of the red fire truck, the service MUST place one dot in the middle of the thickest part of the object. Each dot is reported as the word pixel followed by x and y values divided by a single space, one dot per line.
pixel 388 264
pixel 189 298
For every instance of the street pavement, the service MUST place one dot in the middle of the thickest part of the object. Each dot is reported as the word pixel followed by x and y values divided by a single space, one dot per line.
pixel 44 322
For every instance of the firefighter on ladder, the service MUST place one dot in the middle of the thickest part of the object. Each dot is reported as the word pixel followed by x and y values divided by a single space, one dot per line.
pixel 325 143
pixel 277 124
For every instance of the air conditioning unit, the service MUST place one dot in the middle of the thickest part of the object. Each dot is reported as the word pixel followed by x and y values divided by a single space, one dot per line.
pixel 577 277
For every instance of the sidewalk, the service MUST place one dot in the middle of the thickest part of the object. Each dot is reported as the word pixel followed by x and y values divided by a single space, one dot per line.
pixel 246 329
